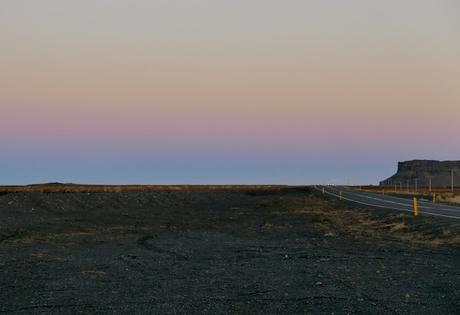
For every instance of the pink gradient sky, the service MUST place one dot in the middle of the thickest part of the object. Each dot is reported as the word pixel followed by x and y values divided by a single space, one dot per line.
pixel 226 92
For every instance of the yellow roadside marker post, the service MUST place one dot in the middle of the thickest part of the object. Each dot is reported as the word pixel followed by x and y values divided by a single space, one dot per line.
pixel 415 207
pixel 341 196
pixel 323 191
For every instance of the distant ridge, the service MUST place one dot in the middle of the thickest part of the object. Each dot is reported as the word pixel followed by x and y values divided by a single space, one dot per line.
pixel 52 184
pixel 78 188
pixel 421 170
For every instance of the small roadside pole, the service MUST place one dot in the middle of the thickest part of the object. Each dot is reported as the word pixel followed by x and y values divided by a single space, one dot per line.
pixel 415 207
pixel 341 196
pixel 434 197
pixel 323 191
pixel 383 192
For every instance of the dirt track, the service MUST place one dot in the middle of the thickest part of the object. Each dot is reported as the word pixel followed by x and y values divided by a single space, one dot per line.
pixel 270 250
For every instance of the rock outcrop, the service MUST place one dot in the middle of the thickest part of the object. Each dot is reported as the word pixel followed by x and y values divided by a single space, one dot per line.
pixel 422 170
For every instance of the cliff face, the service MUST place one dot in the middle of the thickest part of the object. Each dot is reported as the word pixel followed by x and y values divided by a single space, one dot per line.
pixel 439 171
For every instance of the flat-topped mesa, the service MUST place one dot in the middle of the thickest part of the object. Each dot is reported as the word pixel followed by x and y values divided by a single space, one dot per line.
pixel 422 170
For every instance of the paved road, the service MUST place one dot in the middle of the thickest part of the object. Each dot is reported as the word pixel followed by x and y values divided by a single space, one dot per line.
pixel 390 202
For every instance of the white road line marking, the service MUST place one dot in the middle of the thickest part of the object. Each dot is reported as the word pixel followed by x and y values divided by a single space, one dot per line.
pixel 393 208
pixel 444 208
pixel 407 204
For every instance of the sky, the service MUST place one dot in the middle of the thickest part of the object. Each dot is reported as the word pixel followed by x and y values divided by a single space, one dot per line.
pixel 226 92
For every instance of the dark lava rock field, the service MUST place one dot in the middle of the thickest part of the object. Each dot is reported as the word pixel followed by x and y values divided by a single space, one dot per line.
pixel 245 251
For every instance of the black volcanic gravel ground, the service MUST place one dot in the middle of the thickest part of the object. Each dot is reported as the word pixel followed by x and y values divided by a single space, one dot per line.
pixel 221 251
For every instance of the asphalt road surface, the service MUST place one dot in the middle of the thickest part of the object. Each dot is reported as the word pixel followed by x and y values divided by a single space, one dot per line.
pixel 391 202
